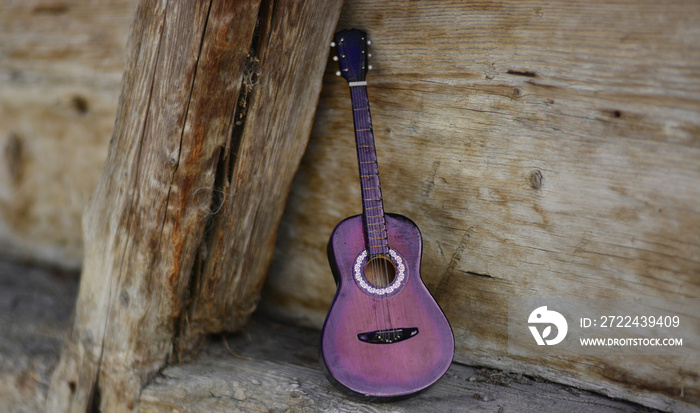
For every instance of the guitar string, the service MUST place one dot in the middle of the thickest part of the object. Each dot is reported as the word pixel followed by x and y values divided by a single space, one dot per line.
pixel 364 123
pixel 365 159
pixel 365 175
pixel 374 199
pixel 372 195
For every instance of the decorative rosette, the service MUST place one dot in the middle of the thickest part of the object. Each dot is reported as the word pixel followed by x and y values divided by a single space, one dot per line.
pixel 396 259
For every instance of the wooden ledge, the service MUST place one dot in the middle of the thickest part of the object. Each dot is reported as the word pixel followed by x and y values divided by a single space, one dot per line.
pixel 35 309
pixel 269 367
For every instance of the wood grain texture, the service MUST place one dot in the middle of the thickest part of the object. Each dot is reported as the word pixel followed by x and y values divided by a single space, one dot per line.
pixel 182 203
pixel 542 148
pixel 35 310
pixel 280 372
pixel 272 367
pixel 289 56
pixel 61 64
pixel 123 270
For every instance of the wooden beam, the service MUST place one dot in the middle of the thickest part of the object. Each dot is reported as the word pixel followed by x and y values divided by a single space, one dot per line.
pixel 285 69
pixel 213 94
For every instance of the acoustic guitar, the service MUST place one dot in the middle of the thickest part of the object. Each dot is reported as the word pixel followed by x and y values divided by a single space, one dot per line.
pixel 384 335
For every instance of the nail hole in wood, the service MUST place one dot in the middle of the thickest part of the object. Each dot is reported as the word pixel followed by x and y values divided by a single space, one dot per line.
pixel 80 104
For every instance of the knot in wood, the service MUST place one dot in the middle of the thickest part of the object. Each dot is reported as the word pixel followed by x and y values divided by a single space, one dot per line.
pixel 536 179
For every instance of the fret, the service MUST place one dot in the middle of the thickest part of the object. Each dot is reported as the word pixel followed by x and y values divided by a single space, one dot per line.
pixel 362 130
pixel 367 189
pixel 369 162
pixel 373 199
pixel 365 146
pixel 377 207
pixel 366 176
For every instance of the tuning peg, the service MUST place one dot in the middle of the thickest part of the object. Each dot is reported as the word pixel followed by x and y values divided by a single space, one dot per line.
pixel 369 42
pixel 369 54
pixel 332 44
pixel 335 58
pixel 369 67
pixel 337 73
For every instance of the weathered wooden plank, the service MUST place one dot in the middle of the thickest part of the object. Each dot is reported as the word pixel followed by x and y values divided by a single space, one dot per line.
pixel 289 58
pixel 60 69
pixel 184 169
pixel 35 309
pixel 274 367
pixel 280 370
pixel 620 70
pixel 543 149
pixel 123 223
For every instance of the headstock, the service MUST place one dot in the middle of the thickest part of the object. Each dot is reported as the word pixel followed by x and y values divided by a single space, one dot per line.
pixel 352 56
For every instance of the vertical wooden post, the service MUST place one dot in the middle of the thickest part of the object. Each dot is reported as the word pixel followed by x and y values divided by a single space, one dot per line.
pixel 216 108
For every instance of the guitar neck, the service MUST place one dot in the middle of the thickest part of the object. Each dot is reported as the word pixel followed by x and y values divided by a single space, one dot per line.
pixel 372 205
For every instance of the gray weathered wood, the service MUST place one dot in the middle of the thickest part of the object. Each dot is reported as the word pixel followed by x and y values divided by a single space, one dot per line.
pixel 273 367
pixel 543 149
pixel 279 371
pixel 599 97
pixel 35 309
pixel 216 108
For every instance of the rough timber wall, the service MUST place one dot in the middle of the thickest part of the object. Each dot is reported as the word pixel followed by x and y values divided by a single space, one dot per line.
pixel 547 148
pixel 61 65
pixel 551 147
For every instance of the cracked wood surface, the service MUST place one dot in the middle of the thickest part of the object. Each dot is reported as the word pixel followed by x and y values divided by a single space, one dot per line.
pixel 543 149
pixel 180 230
pixel 272 367
pixel 512 87
pixel 267 367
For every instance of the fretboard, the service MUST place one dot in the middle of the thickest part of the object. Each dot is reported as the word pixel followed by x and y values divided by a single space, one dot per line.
pixel 372 206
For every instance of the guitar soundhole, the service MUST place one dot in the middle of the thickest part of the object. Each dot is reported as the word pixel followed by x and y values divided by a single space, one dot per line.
pixel 380 271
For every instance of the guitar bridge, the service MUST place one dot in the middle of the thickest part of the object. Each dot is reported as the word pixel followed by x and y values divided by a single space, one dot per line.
pixel 393 335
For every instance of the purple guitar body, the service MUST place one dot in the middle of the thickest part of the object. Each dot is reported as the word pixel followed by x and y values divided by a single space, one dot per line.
pixel 384 336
